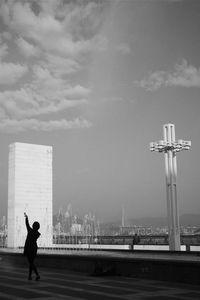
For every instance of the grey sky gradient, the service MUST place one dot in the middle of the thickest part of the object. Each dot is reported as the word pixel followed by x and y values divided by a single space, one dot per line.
pixel 97 80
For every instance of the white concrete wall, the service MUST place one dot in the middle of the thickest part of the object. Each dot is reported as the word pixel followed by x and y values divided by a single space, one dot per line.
pixel 194 248
pixel 156 247
pixel 30 191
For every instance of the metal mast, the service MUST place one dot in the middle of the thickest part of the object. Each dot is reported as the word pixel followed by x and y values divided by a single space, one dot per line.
pixel 170 147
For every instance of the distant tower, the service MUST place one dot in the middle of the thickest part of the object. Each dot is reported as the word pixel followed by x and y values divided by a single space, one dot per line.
pixel 4 221
pixel 123 217
pixel 30 191
pixel 69 209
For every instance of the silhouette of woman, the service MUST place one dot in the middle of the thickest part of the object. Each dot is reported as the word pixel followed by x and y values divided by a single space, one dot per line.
pixel 30 247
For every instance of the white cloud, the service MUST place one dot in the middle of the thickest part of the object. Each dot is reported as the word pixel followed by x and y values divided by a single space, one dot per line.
pixel 45 95
pixel 99 43
pixel 183 75
pixel 153 82
pixel 3 49
pixel 77 92
pixel 124 48
pixel 52 87
pixel 6 35
pixel 2 113
pixel 56 38
pixel 26 48
pixel 13 126
pixel 74 33
pixel 60 65
pixel 11 72
pixel 27 102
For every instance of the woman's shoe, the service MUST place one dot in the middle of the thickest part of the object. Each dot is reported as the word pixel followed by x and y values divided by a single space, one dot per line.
pixel 37 277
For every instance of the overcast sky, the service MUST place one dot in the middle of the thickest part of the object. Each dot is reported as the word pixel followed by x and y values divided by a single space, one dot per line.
pixel 97 80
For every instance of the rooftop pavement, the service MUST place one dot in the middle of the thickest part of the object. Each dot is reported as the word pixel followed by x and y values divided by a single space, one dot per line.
pixel 63 284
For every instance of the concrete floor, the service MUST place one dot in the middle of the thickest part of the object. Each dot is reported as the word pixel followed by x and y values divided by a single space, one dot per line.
pixel 60 284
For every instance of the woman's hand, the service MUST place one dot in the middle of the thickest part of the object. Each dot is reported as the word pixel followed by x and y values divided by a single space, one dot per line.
pixel 25 215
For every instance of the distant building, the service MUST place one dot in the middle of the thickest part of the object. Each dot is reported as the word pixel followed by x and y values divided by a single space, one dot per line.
pixel 76 229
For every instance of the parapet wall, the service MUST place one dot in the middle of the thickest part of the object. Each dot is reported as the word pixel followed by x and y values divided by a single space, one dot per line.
pixel 169 267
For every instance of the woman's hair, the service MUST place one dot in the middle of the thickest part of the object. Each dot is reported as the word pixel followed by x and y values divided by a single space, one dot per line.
pixel 36 225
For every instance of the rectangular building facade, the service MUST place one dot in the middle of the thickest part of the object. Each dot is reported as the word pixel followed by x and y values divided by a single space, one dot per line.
pixel 30 191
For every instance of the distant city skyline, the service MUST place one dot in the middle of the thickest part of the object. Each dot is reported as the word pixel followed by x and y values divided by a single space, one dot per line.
pixel 96 80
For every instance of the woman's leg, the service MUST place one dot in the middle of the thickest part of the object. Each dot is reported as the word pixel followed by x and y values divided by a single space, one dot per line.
pixel 30 267
pixel 33 266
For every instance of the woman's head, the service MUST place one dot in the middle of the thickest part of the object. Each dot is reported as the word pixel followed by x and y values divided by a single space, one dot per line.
pixel 36 225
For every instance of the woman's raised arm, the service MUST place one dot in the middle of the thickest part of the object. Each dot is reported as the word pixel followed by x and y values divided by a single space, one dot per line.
pixel 27 222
